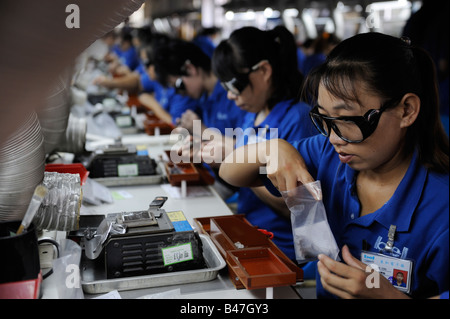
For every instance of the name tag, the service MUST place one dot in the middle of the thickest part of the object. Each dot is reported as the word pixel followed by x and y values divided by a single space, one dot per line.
pixel 396 270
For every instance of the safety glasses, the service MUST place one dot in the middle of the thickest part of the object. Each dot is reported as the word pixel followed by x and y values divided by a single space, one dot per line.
pixel 237 84
pixel 352 129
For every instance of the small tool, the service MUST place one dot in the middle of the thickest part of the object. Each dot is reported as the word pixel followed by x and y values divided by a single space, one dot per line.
pixel 39 193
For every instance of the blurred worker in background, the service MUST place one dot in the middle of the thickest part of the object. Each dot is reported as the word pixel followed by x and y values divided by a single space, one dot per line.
pixel 429 29
pixel 187 68
pixel 320 48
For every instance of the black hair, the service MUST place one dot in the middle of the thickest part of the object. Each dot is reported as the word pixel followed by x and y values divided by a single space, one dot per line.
pixel 389 67
pixel 151 47
pixel 171 59
pixel 324 41
pixel 126 35
pixel 208 31
pixel 248 46
pixel 145 35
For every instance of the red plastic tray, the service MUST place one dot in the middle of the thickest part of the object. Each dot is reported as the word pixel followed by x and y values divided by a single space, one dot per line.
pixel 259 263
pixel 188 173
pixel 260 268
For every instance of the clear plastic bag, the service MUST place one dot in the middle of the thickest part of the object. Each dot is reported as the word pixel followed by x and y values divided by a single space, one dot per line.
pixel 65 281
pixel 310 228
pixel 103 124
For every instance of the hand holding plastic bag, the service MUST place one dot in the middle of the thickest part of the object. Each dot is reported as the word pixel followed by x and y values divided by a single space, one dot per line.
pixel 310 228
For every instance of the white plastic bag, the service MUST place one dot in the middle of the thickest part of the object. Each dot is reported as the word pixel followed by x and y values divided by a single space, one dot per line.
pixel 65 281
pixel 102 124
pixel 310 228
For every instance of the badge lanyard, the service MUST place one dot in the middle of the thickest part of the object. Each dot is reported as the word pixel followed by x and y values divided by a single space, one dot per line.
pixel 396 270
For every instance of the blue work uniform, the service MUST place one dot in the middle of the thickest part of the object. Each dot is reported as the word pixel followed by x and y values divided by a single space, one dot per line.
pixel 140 69
pixel 130 57
pixel 292 123
pixel 173 103
pixel 311 62
pixel 205 43
pixel 301 58
pixel 419 209
pixel 217 111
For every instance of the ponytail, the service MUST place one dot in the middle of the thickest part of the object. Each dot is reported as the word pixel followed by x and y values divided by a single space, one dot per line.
pixel 428 132
pixel 288 80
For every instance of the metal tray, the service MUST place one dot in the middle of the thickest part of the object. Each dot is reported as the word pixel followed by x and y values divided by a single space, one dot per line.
pixel 93 280
pixel 130 181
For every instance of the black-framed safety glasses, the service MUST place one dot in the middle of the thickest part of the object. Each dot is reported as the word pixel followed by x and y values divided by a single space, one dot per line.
pixel 237 84
pixel 352 129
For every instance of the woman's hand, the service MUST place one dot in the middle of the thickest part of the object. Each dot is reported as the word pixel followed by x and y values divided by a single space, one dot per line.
pixel 187 120
pixel 102 80
pixel 351 280
pixel 285 166
pixel 215 150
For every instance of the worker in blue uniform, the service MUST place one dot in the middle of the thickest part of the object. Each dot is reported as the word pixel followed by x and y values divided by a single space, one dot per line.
pixel 126 51
pixel 184 66
pixel 167 104
pixel 258 68
pixel 383 165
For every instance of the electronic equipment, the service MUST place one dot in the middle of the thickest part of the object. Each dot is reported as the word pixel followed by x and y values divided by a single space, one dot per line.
pixel 143 242
pixel 119 160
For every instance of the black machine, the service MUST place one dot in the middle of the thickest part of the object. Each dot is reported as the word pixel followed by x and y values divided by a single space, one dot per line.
pixel 118 160
pixel 143 242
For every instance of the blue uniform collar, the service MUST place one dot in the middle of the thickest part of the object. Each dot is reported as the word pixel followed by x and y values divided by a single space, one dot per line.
pixel 276 114
pixel 400 208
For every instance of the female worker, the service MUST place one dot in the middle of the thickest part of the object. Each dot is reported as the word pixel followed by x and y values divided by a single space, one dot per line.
pixel 187 68
pixel 383 163
pixel 259 71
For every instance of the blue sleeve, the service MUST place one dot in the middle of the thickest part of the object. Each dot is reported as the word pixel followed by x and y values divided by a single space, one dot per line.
pixel 116 50
pixel 132 59
pixel 444 295
pixel 140 69
pixel 179 104
pixel 148 85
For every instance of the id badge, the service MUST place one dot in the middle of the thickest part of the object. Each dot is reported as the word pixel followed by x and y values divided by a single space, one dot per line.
pixel 396 270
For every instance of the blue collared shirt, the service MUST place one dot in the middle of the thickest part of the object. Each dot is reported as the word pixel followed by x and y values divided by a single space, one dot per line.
pixel 291 121
pixel 175 104
pixel 218 111
pixel 130 57
pixel 419 208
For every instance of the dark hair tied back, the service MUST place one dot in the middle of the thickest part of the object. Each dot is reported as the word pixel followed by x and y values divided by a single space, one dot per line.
pixel 248 46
